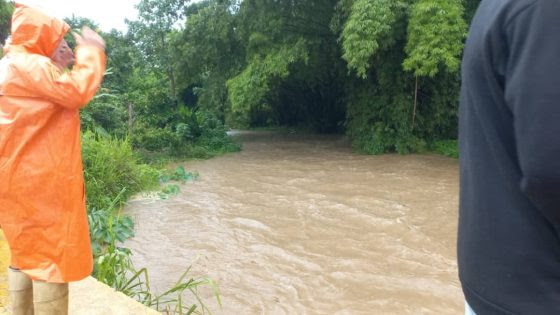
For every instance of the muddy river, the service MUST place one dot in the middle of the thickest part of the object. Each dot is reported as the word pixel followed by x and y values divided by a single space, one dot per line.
pixel 301 225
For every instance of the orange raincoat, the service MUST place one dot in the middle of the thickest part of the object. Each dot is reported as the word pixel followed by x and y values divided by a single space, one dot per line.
pixel 42 202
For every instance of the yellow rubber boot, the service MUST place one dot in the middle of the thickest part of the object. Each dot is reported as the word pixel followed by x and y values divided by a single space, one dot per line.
pixel 20 288
pixel 50 298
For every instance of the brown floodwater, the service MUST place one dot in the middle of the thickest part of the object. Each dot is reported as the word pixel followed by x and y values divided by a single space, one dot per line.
pixel 298 224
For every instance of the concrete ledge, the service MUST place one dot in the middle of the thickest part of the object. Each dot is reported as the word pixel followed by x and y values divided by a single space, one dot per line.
pixel 91 297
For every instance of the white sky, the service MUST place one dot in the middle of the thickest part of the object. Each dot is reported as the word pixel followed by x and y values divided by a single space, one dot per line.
pixel 107 13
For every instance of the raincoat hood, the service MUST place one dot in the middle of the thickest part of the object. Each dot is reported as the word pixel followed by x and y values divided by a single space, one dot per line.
pixel 36 32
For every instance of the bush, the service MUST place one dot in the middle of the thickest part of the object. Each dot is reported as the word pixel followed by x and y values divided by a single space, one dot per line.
pixel 199 135
pixel 448 148
pixel 213 135
pixel 110 165
pixel 105 114
pixel 381 110
pixel 153 139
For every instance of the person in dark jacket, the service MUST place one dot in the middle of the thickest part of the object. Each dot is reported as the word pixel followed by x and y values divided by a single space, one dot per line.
pixel 509 134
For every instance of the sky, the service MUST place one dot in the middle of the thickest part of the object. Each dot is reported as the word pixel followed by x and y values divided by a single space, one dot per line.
pixel 108 14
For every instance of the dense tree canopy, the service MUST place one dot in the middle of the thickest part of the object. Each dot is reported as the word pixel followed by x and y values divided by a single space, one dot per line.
pixel 385 72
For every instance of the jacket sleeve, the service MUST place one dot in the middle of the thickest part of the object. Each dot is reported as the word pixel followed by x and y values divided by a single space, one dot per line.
pixel 72 89
pixel 532 90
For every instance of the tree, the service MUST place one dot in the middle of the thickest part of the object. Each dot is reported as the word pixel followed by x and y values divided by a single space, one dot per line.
pixel 392 110
pixel 436 31
pixel 6 10
pixel 367 30
pixel 293 62
pixel 384 71
pixel 76 24
pixel 157 21
pixel 207 53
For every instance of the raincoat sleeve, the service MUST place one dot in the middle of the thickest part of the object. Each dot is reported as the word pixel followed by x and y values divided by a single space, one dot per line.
pixel 72 89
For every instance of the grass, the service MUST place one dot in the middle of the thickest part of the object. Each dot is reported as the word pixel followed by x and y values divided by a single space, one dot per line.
pixel 110 165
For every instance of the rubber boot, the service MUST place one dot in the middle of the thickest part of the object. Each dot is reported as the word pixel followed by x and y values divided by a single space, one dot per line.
pixel 20 288
pixel 50 298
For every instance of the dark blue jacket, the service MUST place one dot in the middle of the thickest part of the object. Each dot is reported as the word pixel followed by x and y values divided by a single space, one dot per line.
pixel 509 219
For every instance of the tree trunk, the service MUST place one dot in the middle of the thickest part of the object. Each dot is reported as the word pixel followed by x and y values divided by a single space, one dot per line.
pixel 173 84
pixel 415 103
pixel 170 72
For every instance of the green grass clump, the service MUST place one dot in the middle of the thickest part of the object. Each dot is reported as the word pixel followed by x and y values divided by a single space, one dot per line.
pixel 448 148
pixel 111 165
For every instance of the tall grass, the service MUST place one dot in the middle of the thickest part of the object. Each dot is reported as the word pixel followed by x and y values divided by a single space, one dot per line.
pixel 110 165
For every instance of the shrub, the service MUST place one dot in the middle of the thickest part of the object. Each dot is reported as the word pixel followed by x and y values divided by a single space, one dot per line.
pixel 199 135
pixel 153 139
pixel 110 165
pixel 448 148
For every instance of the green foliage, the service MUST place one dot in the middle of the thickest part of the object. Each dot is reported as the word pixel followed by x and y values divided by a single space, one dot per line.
pixel 152 33
pixel 253 85
pixel 438 103
pixel 179 175
pixel 366 31
pixel 182 175
pixel 448 148
pixel 110 165
pixel 105 115
pixel 123 57
pixel 212 135
pixel 378 121
pixel 184 69
pixel 172 300
pixel 6 10
pixel 169 190
pixel 207 53
pixel 470 9
pixel 105 227
pixel 199 135
pixel 391 110
pixel 436 31
pixel 153 139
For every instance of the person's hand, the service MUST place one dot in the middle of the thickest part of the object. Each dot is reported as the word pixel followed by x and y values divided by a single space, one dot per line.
pixel 89 37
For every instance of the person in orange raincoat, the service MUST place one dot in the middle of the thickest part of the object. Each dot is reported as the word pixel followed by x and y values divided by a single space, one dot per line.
pixel 42 196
